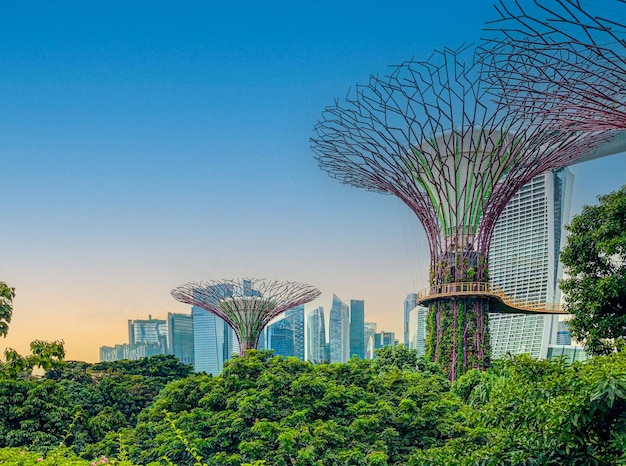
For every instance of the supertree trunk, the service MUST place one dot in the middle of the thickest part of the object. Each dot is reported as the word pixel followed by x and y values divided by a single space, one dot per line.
pixel 457 334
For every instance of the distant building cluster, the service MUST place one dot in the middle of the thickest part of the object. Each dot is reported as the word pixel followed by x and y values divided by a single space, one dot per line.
pixel 206 341
pixel 149 337
pixel 348 333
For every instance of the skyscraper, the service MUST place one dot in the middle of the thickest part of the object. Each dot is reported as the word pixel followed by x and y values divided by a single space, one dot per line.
pixel 370 330
pixel 146 337
pixel 148 331
pixel 339 331
pixel 524 262
pixel 180 337
pixel 384 339
pixel 409 303
pixel 280 337
pixel 357 328
pixel 214 341
pixel 316 336
pixel 417 329
pixel 296 315
pixel 286 336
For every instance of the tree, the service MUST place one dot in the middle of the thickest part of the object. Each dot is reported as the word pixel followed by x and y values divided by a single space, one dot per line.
pixel 6 307
pixel 44 354
pixel 284 411
pixel 159 365
pixel 595 259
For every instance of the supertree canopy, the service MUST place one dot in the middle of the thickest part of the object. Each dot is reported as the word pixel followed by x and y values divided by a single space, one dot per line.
pixel 429 134
pixel 246 305
pixel 562 59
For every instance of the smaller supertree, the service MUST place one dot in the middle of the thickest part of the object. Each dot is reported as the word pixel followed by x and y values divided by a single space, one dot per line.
pixel 246 305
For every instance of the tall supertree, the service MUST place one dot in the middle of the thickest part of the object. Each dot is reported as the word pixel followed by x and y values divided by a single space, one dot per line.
pixel 246 305
pixel 563 59
pixel 429 134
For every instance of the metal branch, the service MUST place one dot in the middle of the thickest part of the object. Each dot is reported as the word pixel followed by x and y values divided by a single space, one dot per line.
pixel 429 134
pixel 559 61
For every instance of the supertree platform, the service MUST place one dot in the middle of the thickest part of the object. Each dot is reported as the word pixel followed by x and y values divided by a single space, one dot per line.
pixel 246 305
pixel 429 134
pixel 563 59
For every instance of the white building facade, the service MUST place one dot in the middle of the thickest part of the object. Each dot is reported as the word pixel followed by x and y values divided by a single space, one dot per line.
pixel 417 329
pixel 524 262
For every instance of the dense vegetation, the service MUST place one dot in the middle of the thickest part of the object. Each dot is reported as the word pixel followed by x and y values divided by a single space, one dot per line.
pixel 76 404
pixel 6 307
pixel 265 410
pixel 595 261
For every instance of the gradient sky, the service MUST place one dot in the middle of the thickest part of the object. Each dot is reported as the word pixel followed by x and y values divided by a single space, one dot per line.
pixel 147 144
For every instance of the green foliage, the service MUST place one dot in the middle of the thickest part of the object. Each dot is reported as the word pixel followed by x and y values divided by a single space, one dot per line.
pixel 161 365
pixel 540 412
pixel 403 358
pixel 595 259
pixel 44 354
pixel 76 404
pixel 285 411
pixel 262 410
pixel 6 307
pixel 57 457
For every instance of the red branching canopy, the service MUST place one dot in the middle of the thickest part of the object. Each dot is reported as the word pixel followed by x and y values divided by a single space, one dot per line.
pixel 430 134
pixel 561 60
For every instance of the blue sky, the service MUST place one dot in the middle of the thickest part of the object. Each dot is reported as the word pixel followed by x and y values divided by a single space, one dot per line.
pixel 146 144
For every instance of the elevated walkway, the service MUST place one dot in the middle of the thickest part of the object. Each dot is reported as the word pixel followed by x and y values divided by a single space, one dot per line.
pixel 498 300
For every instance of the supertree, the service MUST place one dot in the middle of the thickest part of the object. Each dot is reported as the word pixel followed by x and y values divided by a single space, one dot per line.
pixel 562 59
pixel 429 134
pixel 246 305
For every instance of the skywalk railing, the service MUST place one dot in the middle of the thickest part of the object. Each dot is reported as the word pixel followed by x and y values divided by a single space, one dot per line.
pixel 488 290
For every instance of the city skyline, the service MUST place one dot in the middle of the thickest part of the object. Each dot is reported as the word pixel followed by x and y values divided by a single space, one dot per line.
pixel 286 334
pixel 148 148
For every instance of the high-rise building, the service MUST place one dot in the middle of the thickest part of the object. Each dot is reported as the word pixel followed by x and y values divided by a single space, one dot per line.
pixel 409 304
pixel 316 336
pixel 146 337
pixel 524 262
pixel 339 331
pixel 286 336
pixel 296 316
pixel 370 330
pixel 152 331
pixel 384 339
pixel 180 337
pixel 129 351
pixel 280 337
pixel 214 341
pixel 563 336
pixel 417 329
pixel 112 353
pixel 357 328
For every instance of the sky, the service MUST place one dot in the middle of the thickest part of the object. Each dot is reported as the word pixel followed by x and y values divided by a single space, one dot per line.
pixel 147 144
